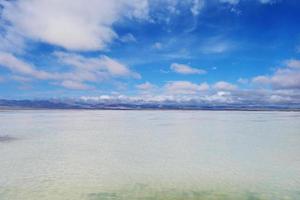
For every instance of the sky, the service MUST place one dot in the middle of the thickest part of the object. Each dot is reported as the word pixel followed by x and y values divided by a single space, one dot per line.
pixel 213 51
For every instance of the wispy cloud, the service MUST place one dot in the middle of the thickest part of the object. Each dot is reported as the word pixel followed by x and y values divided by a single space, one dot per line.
pixel 234 2
pixel 103 65
pixel 243 80
pixel 185 87
pixel 83 69
pixel 75 85
pixel 267 1
pixel 128 38
pixel 145 86
pixel 197 6
pixel 157 45
pixel 20 67
pixel 185 69
pixel 216 45
pixel 222 85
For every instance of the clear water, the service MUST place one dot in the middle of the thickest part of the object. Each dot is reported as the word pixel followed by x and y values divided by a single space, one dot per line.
pixel 101 155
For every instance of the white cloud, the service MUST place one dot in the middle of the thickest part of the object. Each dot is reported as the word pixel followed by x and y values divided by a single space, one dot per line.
pixel 157 45
pixel 185 87
pixel 128 38
pixel 21 79
pixel 234 2
pixel 103 66
pixel 286 78
pixel 220 97
pixel 243 80
pixel 197 6
pixel 72 24
pixel 145 86
pixel 115 68
pixel 10 40
pixel 84 26
pixel 277 99
pixel 266 1
pixel 222 85
pixel 293 63
pixel 20 67
pixel 215 47
pixel 239 97
pixel 283 78
pixel 83 70
pixel 185 69
pixel 261 80
pixel 75 85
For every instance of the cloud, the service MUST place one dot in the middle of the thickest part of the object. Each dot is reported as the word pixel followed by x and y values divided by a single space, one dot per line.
pixel 157 45
pixel 115 68
pixel 292 63
pixel 215 47
pixel 128 38
pixel 20 67
pixel 185 69
pixel 234 2
pixel 222 85
pixel 222 93
pixel 261 80
pixel 10 40
pixel 266 1
pixel 220 97
pixel 72 24
pixel 287 77
pixel 21 79
pixel 236 98
pixel 83 69
pixel 243 80
pixel 185 87
pixel 81 26
pixel 145 86
pixel 75 85
pixel 197 6
pixel 102 66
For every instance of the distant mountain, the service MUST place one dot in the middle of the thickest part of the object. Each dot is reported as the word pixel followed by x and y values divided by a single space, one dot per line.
pixel 81 104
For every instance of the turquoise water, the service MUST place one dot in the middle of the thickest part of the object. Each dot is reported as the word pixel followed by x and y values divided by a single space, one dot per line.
pixel 101 155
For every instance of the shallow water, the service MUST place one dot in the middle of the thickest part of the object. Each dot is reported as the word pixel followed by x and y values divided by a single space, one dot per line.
pixel 101 155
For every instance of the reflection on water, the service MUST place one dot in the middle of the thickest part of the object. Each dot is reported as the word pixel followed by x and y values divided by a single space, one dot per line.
pixel 93 155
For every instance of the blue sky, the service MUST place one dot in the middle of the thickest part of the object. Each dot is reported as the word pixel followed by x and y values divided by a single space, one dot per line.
pixel 214 51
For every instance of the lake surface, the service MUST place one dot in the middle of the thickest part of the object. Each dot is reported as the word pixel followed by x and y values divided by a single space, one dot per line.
pixel 165 155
